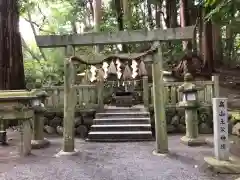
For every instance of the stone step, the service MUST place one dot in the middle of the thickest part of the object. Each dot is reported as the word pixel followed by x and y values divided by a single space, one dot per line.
pixel 121 124
pixel 121 127
pixel 108 121
pixel 119 135
pixel 122 114
pixel 113 109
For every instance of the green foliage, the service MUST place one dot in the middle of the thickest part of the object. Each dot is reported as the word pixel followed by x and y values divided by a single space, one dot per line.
pixel 222 11
pixel 61 16
pixel 235 116
pixel 50 72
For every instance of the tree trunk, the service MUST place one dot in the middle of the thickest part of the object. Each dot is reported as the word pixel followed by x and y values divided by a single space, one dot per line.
pixel 171 20
pixel 11 57
pixel 127 11
pixel 229 44
pixel 208 47
pixel 200 31
pixel 171 11
pixel 158 15
pixel 119 13
pixel 230 36
pixel 97 20
pixel 217 44
pixel 150 18
pixel 208 44
pixel 185 19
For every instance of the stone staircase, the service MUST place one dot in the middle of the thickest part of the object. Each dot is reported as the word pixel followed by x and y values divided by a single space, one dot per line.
pixel 121 124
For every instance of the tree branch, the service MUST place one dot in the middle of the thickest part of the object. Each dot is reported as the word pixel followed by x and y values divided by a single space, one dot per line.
pixel 165 19
pixel 34 56
pixel 91 7
pixel 35 33
pixel 38 26
pixel 44 17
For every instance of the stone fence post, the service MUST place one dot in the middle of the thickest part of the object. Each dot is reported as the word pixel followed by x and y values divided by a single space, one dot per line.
pixel 100 91
pixel 145 91
pixel 215 90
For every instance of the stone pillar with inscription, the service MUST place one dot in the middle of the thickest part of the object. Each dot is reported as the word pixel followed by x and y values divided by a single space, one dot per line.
pixel 220 120
pixel 190 104
pixel 222 162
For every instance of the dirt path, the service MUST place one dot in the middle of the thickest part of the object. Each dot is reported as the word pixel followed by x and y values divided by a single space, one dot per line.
pixel 110 161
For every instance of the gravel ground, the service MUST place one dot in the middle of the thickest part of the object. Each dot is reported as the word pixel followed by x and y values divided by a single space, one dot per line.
pixel 109 161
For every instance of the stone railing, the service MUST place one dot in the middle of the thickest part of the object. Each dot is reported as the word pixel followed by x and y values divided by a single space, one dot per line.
pixel 175 116
pixel 172 96
pixel 85 96
pixel 89 96
pixel 88 99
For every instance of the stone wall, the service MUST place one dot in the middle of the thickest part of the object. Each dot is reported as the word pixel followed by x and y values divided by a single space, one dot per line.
pixel 176 120
pixel 53 123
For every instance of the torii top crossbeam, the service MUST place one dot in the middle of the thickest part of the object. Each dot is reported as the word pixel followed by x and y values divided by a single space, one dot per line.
pixel 120 37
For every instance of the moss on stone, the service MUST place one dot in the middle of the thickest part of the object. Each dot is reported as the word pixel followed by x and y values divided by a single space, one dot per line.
pixel 235 116
pixel 15 93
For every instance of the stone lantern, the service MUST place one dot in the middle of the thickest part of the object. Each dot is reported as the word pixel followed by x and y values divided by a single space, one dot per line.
pixel 38 140
pixel 190 103
pixel 18 105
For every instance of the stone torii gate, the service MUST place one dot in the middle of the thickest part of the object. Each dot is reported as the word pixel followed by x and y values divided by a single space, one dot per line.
pixel 121 37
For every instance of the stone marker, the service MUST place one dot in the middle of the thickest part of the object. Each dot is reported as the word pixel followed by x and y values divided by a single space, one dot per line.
pixel 220 122
pixel 222 162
